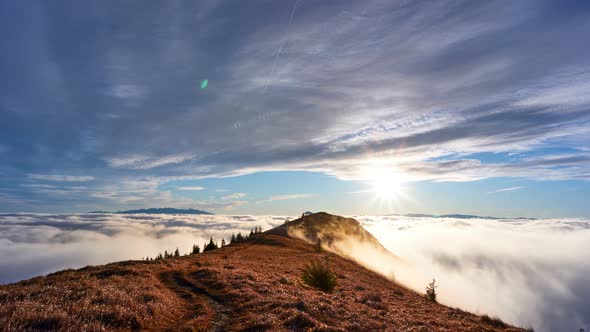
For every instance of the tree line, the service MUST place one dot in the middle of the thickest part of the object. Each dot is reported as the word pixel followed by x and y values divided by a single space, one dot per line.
pixel 208 246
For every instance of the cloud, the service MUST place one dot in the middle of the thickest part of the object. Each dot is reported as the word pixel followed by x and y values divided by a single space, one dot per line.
pixel 146 162
pixel 419 88
pixel 286 197
pixel 35 244
pixel 233 196
pixel 60 178
pixel 505 189
pixel 195 188
pixel 531 264
pixel 126 91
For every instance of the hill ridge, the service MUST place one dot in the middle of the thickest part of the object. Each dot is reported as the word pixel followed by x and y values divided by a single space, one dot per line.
pixel 252 285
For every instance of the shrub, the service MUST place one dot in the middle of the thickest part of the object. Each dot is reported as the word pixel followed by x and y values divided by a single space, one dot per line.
pixel 319 275
pixel 431 291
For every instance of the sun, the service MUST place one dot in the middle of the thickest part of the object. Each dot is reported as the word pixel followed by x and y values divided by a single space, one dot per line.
pixel 387 186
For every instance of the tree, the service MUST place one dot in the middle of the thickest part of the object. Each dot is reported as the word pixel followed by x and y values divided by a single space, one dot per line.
pixel 222 242
pixel 211 245
pixel 318 245
pixel 176 253
pixel 251 232
pixel 233 238
pixel 196 249
pixel 239 237
pixel 166 254
pixel 431 291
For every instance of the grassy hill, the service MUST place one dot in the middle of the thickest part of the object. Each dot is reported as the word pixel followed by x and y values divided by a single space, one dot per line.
pixel 254 285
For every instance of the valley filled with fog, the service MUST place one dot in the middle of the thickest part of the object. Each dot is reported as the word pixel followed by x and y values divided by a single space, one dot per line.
pixel 533 273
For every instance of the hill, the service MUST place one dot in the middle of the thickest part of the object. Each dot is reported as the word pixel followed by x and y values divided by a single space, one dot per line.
pixel 159 211
pixel 253 285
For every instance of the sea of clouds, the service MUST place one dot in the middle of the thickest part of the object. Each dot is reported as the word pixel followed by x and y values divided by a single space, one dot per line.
pixel 533 273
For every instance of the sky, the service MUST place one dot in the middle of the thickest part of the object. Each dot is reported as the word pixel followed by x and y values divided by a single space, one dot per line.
pixel 277 107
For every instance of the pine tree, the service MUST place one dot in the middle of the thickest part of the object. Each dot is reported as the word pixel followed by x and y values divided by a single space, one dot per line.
pixel 166 254
pixel 176 253
pixel 431 291
pixel 233 238
pixel 239 237
pixel 251 232
pixel 318 245
pixel 222 242
pixel 196 249
pixel 211 245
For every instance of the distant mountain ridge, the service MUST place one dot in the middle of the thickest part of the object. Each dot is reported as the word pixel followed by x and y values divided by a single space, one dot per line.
pixel 458 216
pixel 159 211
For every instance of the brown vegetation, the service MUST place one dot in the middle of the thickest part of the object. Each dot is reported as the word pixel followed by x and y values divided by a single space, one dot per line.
pixel 254 285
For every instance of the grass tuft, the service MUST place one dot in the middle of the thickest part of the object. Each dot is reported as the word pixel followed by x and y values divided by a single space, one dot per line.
pixel 319 275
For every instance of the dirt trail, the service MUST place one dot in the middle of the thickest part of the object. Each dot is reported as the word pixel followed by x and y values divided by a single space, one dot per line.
pixel 203 311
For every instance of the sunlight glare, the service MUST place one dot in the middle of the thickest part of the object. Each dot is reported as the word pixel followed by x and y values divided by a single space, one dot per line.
pixel 387 186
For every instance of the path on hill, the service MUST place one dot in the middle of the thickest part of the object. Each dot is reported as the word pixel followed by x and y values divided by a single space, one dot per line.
pixel 204 312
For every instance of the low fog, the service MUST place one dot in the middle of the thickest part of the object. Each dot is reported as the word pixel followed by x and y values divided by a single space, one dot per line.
pixel 532 273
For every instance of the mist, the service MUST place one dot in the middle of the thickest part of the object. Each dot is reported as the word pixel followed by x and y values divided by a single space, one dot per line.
pixel 531 273
pixel 38 244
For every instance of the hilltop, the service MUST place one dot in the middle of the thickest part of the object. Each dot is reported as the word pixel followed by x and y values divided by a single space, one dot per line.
pixel 254 285
pixel 158 211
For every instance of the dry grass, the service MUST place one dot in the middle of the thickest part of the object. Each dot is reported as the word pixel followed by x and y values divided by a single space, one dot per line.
pixel 249 286
pixel 91 299
pixel 493 321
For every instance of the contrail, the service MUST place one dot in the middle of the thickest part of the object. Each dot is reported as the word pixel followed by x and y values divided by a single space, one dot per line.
pixel 280 48
pixel 505 189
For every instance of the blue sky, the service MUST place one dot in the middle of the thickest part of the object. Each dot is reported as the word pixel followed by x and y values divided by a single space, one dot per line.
pixel 460 106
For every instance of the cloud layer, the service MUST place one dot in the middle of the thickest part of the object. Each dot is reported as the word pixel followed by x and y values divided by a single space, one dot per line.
pixel 528 272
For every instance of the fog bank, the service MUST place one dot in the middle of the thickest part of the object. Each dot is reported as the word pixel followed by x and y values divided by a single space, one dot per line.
pixel 532 273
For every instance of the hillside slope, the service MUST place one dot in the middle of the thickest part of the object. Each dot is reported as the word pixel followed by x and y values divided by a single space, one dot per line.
pixel 249 286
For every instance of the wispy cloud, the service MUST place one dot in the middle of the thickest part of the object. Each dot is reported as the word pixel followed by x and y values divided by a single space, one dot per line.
pixel 285 197
pixel 195 188
pixel 233 196
pixel 505 189
pixel 126 91
pixel 146 162
pixel 61 178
